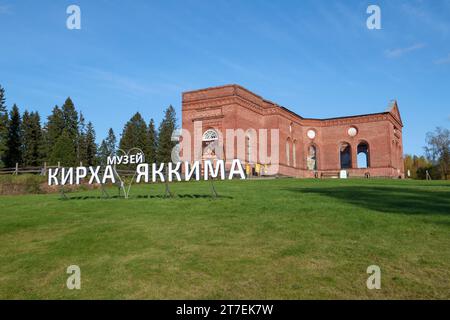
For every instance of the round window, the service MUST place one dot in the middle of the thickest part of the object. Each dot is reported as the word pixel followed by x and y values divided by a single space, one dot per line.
pixel 352 131
pixel 311 134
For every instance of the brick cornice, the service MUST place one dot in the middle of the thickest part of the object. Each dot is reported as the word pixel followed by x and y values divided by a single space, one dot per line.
pixel 207 103
pixel 235 94
pixel 205 118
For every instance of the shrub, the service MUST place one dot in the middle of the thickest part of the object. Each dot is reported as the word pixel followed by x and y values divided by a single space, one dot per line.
pixel 11 184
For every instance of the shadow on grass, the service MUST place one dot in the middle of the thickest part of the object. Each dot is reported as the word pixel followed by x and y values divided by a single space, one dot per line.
pixel 181 196
pixel 385 199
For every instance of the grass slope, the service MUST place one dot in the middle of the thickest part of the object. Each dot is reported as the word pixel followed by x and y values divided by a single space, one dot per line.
pixel 275 239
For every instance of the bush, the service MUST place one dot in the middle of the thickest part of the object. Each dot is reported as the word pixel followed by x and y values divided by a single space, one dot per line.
pixel 34 184
pixel 21 184
pixel 432 170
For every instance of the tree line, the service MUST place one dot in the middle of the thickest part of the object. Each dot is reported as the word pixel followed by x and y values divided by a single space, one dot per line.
pixel 436 164
pixel 66 138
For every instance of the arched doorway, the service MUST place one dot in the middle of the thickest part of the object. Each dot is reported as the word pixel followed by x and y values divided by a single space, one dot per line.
pixel 209 144
pixel 294 153
pixel 311 159
pixel 288 155
pixel 363 155
pixel 345 154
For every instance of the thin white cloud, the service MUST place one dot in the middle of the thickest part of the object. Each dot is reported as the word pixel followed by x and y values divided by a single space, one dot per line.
pixel 398 52
pixel 241 69
pixel 420 11
pixel 131 85
pixel 443 60
pixel 5 9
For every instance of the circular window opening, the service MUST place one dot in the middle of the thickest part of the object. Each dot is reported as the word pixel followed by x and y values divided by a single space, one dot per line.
pixel 311 134
pixel 352 131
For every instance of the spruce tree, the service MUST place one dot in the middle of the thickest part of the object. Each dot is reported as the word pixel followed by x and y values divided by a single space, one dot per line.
pixel 3 126
pixel 165 143
pixel 71 123
pixel 107 147
pixel 103 153
pixel 13 143
pixel 62 119
pixel 111 142
pixel 152 143
pixel 2 101
pixel 82 155
pixel 63 151
pixel 70 116
pixel 31 139
pixel 28 141
pixel 53 130
pixel 44 144
pixel 134 134
pixel 38 149
pixel 27 137
pixel 91 146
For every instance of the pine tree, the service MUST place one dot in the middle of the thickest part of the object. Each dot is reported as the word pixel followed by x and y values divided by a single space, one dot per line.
pixel 165 143
pixel 3 126
pixel 152 143
pixel 13 143
pixel 91 146
pixel 134 134
pixel 63 151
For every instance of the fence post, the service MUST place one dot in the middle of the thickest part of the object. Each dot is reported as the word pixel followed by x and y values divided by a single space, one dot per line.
pixel 17 169
pixel 44 170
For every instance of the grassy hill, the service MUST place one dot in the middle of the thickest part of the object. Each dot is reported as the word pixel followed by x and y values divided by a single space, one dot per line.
pixel 274 239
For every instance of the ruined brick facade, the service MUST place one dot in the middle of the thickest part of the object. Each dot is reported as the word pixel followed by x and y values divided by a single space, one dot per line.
pixel 363 145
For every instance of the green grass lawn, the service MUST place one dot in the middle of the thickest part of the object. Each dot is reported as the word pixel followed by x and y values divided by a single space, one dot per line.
pixel 271 239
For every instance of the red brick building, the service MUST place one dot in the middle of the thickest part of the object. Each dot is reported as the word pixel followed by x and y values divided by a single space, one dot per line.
pixel 363 145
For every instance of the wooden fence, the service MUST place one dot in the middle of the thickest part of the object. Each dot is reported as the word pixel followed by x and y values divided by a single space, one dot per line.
pixel 44 169
pixel 24 170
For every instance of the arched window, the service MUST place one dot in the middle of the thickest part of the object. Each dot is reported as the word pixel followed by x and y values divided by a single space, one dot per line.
pixel 210 142
pixel 311 160
pixel 210 135
pixel 345 152
pixel 248 149
pixel 251 146
pixel 288 156
pixel 294 153
pixel 363 155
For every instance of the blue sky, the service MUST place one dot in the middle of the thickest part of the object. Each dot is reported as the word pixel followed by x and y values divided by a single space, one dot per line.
pixel 314 57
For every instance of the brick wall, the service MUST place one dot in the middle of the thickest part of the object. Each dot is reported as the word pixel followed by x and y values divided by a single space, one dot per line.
pixel 234 107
